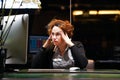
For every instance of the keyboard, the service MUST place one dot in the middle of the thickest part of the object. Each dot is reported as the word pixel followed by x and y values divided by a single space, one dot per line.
pixel 47 70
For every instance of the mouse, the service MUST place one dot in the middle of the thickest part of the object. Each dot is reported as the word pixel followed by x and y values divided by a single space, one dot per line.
pixel 74 68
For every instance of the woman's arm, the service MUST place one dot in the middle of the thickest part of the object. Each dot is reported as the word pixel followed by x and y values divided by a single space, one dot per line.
pixel 78 54
pixel 42 59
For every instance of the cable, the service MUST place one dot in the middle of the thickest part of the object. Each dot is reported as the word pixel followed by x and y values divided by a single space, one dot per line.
pixel 70 11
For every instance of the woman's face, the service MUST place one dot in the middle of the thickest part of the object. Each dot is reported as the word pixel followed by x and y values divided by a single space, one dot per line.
pixel 56 36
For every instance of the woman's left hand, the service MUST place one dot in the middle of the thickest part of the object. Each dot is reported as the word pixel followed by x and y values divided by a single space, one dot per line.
pixel 67 39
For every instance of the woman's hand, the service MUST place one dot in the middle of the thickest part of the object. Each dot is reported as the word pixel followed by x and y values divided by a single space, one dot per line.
pixel 67 39
pixel 47 42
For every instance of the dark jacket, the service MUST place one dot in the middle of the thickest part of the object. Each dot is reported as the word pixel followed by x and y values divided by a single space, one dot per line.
pixel 43 59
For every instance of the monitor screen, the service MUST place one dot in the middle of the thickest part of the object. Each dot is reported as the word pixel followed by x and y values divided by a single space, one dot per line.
pixel 17 38
pixel 36 42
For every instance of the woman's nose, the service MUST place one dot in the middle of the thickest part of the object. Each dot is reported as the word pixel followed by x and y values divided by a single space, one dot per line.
pixel 54 36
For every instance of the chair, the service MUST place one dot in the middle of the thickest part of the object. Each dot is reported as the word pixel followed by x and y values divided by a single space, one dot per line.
pixel 90 64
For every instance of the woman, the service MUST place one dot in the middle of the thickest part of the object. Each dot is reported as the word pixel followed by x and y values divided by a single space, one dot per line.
pixel 59 52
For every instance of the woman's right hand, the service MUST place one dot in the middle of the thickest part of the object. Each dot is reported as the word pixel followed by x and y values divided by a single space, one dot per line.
pixel 47 42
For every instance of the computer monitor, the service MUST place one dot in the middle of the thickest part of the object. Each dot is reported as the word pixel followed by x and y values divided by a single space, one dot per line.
pixel 17 39
pixel 35 43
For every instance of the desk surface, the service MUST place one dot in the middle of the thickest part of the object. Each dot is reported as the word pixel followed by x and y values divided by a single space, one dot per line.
pixel 69 75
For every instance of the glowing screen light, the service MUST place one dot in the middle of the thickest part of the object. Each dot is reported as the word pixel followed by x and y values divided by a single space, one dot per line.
pixel 22 4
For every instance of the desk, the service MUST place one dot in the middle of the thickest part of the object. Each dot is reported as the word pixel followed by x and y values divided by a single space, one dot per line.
pixel 66 75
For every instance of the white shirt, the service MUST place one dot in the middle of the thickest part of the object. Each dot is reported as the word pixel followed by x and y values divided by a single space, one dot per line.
pixel 63 62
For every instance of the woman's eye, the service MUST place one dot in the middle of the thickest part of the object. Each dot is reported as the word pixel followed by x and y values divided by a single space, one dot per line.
pixel 57 34
pixel 52 33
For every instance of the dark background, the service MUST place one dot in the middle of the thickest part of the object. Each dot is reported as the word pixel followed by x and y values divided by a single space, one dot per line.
pixel 99 34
